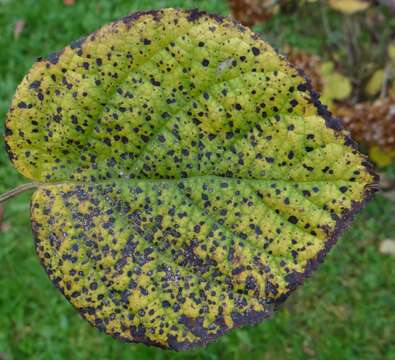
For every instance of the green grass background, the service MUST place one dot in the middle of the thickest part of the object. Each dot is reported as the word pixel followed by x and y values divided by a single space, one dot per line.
pixel 345 311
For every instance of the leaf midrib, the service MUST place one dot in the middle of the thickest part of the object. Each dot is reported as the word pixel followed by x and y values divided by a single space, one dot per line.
pixel 208 176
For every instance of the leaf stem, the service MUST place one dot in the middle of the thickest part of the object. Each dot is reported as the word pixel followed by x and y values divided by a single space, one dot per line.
pixel 16 191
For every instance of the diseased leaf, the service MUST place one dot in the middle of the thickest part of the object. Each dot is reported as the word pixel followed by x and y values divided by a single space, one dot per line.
pixel 190 177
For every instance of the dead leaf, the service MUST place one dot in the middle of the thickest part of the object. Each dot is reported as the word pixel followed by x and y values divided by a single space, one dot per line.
pixel 18 28
pixel 387 247
pixel 371 123
pixel 69 2
pixel 250 12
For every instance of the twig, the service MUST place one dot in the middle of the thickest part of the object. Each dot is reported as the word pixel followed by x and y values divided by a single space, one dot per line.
pixel 16 191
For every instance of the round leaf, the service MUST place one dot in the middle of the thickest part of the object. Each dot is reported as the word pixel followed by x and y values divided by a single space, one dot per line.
pixel 190 178
pixel 375 83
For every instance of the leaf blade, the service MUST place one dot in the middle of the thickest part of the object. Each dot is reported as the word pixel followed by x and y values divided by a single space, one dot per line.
pixel 220 170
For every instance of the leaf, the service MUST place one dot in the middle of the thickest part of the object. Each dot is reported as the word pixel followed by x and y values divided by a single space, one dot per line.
pixel 327 68
pixel 349 6
pixel 335 85
pixel 251 12
pixel 190 177
pixel 372 124
pixel 375 83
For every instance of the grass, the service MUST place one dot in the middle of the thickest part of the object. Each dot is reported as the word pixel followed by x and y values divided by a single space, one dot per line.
pixel 345 311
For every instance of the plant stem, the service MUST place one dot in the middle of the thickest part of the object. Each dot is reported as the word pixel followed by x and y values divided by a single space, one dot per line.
pixel 16 191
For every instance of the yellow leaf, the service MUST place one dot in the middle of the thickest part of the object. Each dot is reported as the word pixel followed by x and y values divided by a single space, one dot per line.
pixel 327 68
pixel 375 83
pixel 381 157
pixel 336 87
pixel 349 6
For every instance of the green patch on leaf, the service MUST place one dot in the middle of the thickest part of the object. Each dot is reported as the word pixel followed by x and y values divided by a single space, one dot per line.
pixel 190 177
